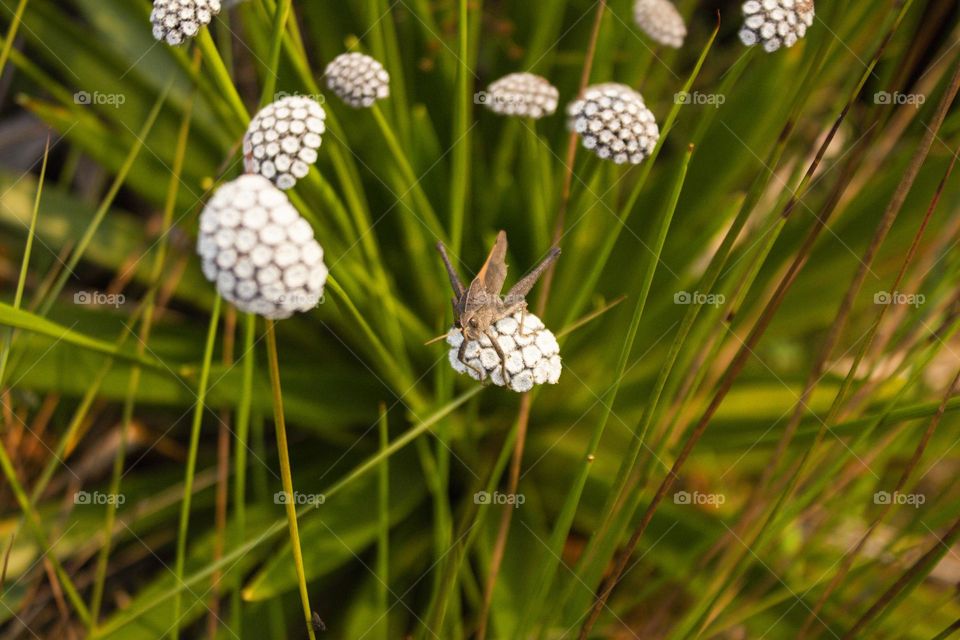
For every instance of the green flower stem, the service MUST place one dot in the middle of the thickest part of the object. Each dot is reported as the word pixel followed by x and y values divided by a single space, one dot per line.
pixel 538 178
pixel 25 263
pixel 11 34
pixel 286 476
pixel 221 75
pixel 413 183
pixel 240 459
pixel 198 411
pixel 460 186
pixel 281 16
pixel 383 537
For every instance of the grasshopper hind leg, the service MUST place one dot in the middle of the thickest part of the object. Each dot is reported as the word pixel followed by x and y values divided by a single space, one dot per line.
pixel 503 357
pixel 461 356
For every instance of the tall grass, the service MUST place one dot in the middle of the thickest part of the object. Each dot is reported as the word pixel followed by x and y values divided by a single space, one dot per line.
pixel 754 432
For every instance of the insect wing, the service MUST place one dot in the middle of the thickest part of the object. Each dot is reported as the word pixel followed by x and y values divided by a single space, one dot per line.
pixel 486 287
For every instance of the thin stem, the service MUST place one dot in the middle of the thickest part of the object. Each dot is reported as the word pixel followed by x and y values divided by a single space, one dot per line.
pixel 11 35
pixel 570 158
pixel 281 15
pixel 223 475
pixel 25 263
pixel 383 539
pixel 198 411
pixel 221 76
pixel 286 476
pixel 240 459
pixel 413 183
pixel 506 515
pixel 460 189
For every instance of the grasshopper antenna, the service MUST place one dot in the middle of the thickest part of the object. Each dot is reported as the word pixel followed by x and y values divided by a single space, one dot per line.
pixel 435 340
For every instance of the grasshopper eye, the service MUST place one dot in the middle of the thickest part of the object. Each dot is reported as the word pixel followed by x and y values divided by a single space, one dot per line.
pixel 473 323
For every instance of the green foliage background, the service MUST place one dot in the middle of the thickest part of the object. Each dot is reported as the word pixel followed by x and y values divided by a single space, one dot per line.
pixel 378 422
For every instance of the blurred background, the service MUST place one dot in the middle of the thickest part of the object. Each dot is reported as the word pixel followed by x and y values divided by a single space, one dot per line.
pixel 797 269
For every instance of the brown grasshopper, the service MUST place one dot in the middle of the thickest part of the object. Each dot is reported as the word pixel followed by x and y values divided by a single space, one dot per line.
pixel 477 307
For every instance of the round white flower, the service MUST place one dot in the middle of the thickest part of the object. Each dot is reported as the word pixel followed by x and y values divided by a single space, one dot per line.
pixel 522 94
pixel 660 20
pixel 175 21
pixel 282 140
pixel 614 123
pixel 358 79
pixel 259 251
pixel 775 23
pixel 531 354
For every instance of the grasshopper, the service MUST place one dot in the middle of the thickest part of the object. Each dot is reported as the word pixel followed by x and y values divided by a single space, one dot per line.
pixel 477 307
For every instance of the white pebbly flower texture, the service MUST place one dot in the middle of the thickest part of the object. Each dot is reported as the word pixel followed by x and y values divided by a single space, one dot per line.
pixel 176 21
pixel 358 79
pixel 259 251
pixel 660 20
pixel 532 354
pixel 775 23
pixel 614 122
pixel 282 140
pixel 522 94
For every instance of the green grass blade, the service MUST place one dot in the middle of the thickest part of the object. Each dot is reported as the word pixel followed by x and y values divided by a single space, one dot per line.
pixel 561 530
pixel 199 409
pixel 286 476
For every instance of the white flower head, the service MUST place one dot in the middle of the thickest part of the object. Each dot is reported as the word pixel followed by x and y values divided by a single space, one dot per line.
pixel 259 251
pixel 660 20
pixel 614 122
pixel 522 94
pixel 282 140
pixel 176 21
pixel 531 354
pixel 358 79
pixel 775 23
